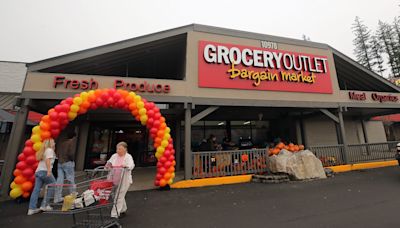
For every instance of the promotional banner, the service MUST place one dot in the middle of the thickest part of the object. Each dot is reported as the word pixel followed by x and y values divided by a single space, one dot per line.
pixel 256 68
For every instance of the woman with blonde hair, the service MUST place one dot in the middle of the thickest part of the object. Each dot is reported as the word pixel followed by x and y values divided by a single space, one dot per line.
pixel 120 162
pixel 43 176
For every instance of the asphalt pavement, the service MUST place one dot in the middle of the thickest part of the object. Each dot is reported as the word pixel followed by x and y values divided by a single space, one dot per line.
pixel 368 198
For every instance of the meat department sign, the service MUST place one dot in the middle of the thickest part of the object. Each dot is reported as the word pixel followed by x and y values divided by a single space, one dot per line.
pixel 257 68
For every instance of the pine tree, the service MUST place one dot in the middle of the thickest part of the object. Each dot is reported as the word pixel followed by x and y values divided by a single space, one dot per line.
pixel 386 37
pixel 396 43
pixel 376 55
pixel 361 43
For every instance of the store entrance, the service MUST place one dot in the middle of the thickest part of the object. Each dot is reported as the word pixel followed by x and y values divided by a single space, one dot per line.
pixel 103 138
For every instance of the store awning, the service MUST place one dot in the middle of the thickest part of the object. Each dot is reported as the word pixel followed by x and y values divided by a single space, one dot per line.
pixel 7 116
pixel 388 118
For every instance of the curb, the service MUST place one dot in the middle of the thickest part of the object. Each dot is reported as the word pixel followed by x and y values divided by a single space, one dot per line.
pixel 360 166
pixel 247 178
pixel 212 181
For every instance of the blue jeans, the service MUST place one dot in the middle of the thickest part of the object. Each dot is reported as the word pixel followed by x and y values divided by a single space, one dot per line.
pixel 41 179
pixel 65 170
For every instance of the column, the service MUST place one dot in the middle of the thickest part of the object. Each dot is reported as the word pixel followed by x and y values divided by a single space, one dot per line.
pixel 178 144
pixel 13 148
pixel 82 145
pixel 343 136
pixel 188 142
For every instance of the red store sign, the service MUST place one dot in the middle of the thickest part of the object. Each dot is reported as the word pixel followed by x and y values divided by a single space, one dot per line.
pixel 361 96
pixel 256 68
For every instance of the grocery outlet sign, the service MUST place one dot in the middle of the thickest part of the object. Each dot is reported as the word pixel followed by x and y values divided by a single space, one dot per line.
pixel 257 68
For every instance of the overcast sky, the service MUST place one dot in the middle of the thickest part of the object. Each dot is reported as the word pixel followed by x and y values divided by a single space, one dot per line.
pixel 35 30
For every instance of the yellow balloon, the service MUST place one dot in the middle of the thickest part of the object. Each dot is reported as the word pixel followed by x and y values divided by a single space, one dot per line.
pixel 138 98
pixel 13 185
pixel 37 146
pixel 84 95
pixel 90 92
pixel 36 138
pixel 72 115
pixel 170 181
pixel 167 130
pixel 164 143
pixel 167 136
pixel 140 105
pixel 132 94
pixel 74 108
pixel 143 118
pixel 77 100
pixel 173 175
pixel 36 130
pixel 160 150
pixel 142 111
pixel 15 193
pixel 158 155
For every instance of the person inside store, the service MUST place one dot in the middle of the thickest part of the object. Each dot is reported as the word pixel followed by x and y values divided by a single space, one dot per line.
pixel 203 146
pixel 227 144
pixel 43 176
pixel 212 143
pixel 121 163
pixel 66 164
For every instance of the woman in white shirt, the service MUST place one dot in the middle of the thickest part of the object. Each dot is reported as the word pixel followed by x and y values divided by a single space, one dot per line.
pixel 124 160
pixel 43 176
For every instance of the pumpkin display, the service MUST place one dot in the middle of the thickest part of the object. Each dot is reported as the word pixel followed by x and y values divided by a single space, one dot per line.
pixel 289 147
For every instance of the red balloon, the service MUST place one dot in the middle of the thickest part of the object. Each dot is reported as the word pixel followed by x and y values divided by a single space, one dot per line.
pixel 64 122
pixel 54 125
pixel 26 194
pixel 69 100
pixel 53 115
pixel 117 96
pixel 157 115
pixel 21 157
pixel 150 121
pixel 171 158
pixel 28 151
pixel 32 179
pixel 28 172
pixel 111 92
pixel 163 159
pixel 162 170
pixel 82 110
pixel 151 105
pixel 21 165
pixel 167 153
pixel 167 165
pixel 150 113
pixel 156 123
pixel 170 140
pixel 170 146
pixel 99 102
pixel 58 108
pixel 159 165
pixel 173 151
pixel 153 130
pixel 93 106
pixel 31 160
pixel 157 183
pixel 159 176
pixel 28 143
pixel 121 102
pixel 55 133
pixel 62 115
pixel 110 101
pixel 156 109
pixel 104 96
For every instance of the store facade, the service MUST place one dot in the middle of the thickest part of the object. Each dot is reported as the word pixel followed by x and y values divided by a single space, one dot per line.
pixel 209 80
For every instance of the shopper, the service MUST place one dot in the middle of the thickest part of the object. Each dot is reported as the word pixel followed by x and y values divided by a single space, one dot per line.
pixel 43 176
pixel 66 165
pixel 121 159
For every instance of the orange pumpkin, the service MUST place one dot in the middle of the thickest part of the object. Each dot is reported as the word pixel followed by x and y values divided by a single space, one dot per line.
pixel 291 144
pixel 291 148
pixel 296 148
pixel 280 145
pixel 286 147
pixel 276 151
pixel 301 147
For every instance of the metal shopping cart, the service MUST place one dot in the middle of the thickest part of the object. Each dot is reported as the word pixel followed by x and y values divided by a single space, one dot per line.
pixel 90 201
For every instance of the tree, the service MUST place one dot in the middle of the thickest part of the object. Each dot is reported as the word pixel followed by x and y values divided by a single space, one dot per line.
pixel 362 48
pixel 386 37
pixel 376 55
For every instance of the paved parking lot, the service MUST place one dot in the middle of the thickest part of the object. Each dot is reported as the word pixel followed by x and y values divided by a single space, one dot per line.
pixel 356 199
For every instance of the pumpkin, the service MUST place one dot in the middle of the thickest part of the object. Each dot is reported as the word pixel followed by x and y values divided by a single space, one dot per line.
pixel 296 148
pixel 276 151
pixel 286 147
pixel 301 147
pixel 280 145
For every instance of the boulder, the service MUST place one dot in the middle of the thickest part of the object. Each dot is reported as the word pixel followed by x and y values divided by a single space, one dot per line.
pixel 301 165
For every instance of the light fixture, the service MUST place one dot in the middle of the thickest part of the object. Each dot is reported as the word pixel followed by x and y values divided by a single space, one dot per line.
pixel 119 132
pixel 138 132
pixel 221 123
pixel 246 123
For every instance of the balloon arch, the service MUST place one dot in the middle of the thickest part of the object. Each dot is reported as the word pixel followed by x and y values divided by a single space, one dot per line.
pixel 58 118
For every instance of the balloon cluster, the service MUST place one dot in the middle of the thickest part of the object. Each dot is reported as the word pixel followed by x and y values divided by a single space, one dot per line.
pixel 68 109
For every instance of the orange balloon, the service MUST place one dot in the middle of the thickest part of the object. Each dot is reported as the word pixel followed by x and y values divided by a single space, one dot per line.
pixel 27 186
pixel 26 194
pixel 45 134
pixel 123 93
pixel 85 104
pixel 17 172
pixel 163 126
pixel 158 140
pixel 98 92
pixel 46 118
pixel 44 126
pixel 19 179
pixel 173 163
pixel 160 133
pixel 92 98
pixel 162 119
pixel 129 100
pixel 132 105
pixel 171 169
pixel 167 176
pixel 163 182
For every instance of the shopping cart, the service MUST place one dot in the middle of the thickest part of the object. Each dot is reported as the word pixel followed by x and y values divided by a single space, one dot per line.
pixel 90 201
